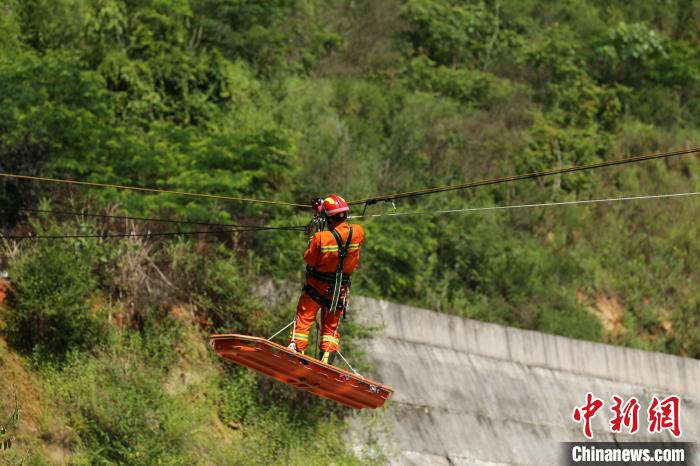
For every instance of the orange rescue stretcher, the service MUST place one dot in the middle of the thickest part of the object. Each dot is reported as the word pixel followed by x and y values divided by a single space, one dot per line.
pixel 301 371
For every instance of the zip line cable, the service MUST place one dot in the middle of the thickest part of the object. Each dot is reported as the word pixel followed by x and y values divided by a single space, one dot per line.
pixel 150 190
pixel 391 214
pixel 527 206
pixel 122 217
pixel 505 179
pixel 370 200
pixel 147 235
pixel 366 202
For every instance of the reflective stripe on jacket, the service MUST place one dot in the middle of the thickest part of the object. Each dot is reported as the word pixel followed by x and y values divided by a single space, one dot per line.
pixel 322 252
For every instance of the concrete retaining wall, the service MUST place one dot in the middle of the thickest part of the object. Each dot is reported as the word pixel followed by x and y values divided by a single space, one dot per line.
pixel 473 393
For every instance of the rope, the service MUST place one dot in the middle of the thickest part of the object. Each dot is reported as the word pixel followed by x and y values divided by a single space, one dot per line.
pixel 318 334
pixel 346 362
pixel 474 184
pixel 525 206
pixel 170 233
pixel 283 329
pixel 120 217
pixel 150 190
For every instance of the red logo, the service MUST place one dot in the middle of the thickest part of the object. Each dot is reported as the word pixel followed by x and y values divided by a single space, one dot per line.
pixel 665 415
pixel 587 412
pixel 627 415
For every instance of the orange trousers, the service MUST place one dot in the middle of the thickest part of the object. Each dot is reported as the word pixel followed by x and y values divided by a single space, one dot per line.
pixel 305 318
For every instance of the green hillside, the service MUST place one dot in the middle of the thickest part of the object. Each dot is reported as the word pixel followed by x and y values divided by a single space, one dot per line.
pixel 105 339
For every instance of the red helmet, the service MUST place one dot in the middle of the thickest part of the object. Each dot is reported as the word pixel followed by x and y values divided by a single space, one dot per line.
pixel 334 205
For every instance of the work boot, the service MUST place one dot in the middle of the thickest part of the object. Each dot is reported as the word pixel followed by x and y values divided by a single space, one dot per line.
pixel 327 356
pixel 293 346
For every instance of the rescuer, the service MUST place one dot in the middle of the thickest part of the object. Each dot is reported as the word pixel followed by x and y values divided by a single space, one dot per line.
pixel 331 257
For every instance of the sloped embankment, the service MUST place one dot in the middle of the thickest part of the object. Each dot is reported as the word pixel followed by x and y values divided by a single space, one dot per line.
pixel 42 430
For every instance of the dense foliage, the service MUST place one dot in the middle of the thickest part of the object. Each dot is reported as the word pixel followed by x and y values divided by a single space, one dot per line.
pixel 289 99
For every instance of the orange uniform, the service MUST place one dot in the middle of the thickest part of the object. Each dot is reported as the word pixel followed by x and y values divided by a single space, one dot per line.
pixel 322 256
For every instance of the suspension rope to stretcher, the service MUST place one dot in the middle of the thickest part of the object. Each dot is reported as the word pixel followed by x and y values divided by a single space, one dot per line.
pixel 150 190
pixel 505 179
pixel 346 362
pixel 283 329
pixel 527 206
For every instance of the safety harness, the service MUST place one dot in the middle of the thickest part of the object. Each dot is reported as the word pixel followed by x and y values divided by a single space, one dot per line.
pixel 338 280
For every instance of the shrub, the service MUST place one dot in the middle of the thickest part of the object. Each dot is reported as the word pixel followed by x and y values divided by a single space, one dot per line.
pixel 50 310
pixel 117 404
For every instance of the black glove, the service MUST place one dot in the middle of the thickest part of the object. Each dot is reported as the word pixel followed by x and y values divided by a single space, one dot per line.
pixel 317 204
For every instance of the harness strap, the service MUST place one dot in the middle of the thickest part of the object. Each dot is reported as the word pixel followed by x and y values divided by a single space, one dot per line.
pixel 327 277
pixel 342 252
pixel 320 299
